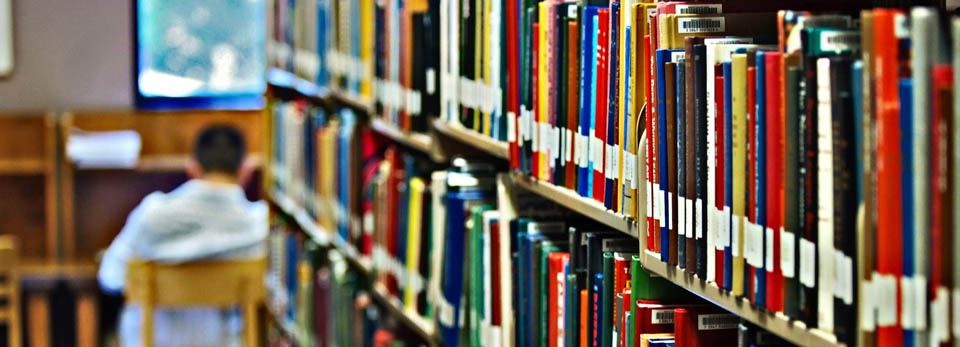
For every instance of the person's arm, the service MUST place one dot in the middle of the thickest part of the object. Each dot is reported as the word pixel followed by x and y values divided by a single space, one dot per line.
pixel 113 265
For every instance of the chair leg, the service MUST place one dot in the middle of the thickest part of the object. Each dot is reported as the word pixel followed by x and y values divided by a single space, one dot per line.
pixel 250 325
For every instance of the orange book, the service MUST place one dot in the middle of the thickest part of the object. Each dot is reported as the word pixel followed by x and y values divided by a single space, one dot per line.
pixel 583 317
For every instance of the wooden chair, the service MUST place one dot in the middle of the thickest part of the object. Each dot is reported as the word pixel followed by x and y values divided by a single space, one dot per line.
pixel 10 289
pixel 219 284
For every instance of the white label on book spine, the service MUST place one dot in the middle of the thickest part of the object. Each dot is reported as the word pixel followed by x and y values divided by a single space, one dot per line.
pixel 689 217
pixel 956 313
pixel 755 245
pixel 940 316
pixel 511 127
pixel 534 136
pixel 839 41
pixel 768 250
pixel 555 143
pixel 596 154
pixel 661 208
pixel 609 164
pixel 649 199
pixel 682 220
pixel 868 313
pixel 787 255
pixel 735 235
pixel 920 301
pixel 886 289
pixel 629 181
pixel 431 81
pixel 699 218
pixel 581 151
pixel 842 277
pixel 695 25
pixel 661 316
pixel 445 315
pixel 808 258
pixel 700 9
pixel 907 309
pixel 717 321
pixel 568 144
pixel 669 213
pixel 676 56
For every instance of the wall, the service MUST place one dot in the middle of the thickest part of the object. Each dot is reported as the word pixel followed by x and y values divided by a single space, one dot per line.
pixel 70 55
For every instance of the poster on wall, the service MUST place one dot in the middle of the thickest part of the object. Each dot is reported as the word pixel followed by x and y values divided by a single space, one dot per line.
pixel 6 38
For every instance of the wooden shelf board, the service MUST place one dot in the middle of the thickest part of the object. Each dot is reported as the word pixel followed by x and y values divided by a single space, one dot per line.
pixel 289 329
pixel 288 80
pixel 472 138
pixel 355 102
pixel 793 331
pixel 23 166
pixel 570 199
pixel 420 325
pixel 419 142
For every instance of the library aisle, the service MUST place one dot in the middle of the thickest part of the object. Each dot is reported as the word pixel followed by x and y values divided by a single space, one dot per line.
pixel 575 173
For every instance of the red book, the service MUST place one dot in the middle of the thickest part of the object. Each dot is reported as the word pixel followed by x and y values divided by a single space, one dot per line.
pixel 719 172
pixel 583 317
pixel 535 129
pixel 394 177
pixel 654 317
pixel 751 168
pixel 573 99
pixel 776 133
pixel 555 296
pixel 513 84
pixel 704 326
pixel 600 118
pixel 941 266
pixel 650 130
pixel 889 161
pixel 621 274
pixel 495 296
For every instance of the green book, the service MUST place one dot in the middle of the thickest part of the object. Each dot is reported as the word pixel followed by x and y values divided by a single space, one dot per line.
pixel 644 286
pixel 606 319
pixel 475 276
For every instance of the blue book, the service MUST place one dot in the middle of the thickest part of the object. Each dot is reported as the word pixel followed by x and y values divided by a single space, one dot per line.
pixel 760 178
pixel 587 105
pixel 453 270
pixel 520 277
pixel 613 100
pixel 624 127
pixel 681 122
pixel 663 56
pixel 596 291
pixel 906 150
pixel 728 172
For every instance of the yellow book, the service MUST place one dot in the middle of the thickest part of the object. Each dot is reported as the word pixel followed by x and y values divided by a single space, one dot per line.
pixel 542 90
pixel 626 20
pixel 642 81
pixel 645 338
pixel 367 28
pixel 414 224
pixel 663 22
pixel 739 133
pixel 478 58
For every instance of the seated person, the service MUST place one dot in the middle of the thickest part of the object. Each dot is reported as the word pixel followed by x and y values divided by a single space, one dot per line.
pixel 208 217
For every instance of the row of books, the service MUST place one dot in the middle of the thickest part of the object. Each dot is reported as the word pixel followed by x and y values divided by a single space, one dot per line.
pixel 310 284
pixel 326 42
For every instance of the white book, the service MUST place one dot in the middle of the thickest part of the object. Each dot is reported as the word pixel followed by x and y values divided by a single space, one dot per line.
pixel 825 256
pixel 438 189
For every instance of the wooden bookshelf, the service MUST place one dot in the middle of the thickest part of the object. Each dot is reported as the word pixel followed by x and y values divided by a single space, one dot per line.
pixel 421 142
pixel 573 201
pixel 289 329
pixel 472 138
pixel 791 330
pixel 416 323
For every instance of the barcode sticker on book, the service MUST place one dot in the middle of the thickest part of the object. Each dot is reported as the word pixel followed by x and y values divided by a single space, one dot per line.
pixel 698 25
pixel 677 56
pixel 700 9
pixel 808 257
pixel 717 321
pixel 787 256
pixel 661 316
pixel 840 41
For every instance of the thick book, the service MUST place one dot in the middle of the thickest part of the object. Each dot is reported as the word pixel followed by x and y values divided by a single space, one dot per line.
pixel 792 199
pixel 669 242
pixel 611 153
pixel 681 144
pixel 700 153
pixel 587 102
pixel 739 175
pixel 889 170
pixel 599 145
pixel 690 151
pixel 844 198
pixel 775 137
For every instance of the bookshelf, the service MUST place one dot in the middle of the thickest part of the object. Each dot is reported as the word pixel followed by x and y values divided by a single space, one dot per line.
pixel 793 331
pixel 289 329
pixel 358 103
pixel 458 132
pixel 423 143
pixel 285 79
pixel 419 325
pixel 569 199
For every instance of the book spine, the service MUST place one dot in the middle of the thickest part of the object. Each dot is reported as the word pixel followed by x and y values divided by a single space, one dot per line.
pixel 775 138
pixel 668 251
pixel 727 220
pixel 825 181
pixel 702 203
pixel 600 115
pixel 739 160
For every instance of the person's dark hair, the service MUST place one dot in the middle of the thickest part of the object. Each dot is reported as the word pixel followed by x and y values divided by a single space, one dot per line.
pixel 220 149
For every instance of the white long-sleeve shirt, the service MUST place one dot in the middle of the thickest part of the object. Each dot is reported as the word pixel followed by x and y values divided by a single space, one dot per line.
pixel 198 220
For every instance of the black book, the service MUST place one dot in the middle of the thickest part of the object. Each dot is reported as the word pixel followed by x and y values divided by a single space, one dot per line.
pixel 418 80
pixel 468 54
pixel 681 160
pixel 560 85
pixel 808 173
pixel 700 103
pixel 792 199
pixel 844 194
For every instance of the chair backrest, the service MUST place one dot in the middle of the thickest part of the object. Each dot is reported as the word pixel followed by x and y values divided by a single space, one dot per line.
pixel 221 284
pixel 10 289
